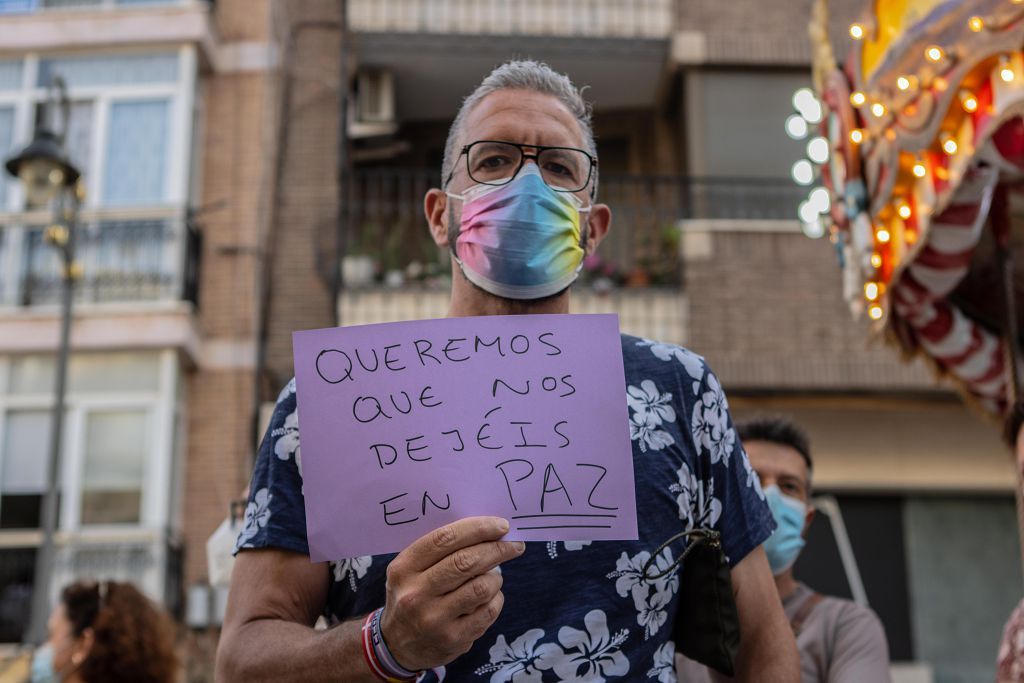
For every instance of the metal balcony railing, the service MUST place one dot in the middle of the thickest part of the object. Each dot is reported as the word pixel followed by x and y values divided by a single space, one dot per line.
pixel 122 260
pixel 388 242
pixel 645 19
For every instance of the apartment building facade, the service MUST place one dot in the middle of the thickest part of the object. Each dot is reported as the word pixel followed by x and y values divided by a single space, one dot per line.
pixel 257 166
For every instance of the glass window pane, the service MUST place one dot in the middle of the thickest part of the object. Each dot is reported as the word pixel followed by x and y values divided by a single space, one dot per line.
pixel 17 570
pixel 26 449
pixel 17 6
pixel 63 4
pixel 112 471
pixel 136 158
pixel 119 69
pixel 114 372
pixel 6 146
pixel 10 70
pixel 110 372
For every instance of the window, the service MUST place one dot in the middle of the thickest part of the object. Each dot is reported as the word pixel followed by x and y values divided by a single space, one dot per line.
pixel 116 69
pixel 23 474
pixel 112 472
pixel 136 153
pixel 731 113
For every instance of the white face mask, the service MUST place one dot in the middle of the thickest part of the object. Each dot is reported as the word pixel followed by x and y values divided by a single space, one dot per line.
pixel 521 240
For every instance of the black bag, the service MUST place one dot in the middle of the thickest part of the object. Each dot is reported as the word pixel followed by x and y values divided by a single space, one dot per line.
pixel 707 625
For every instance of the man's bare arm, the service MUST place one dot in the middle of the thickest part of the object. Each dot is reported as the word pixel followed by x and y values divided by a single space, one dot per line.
pixel 768 651
pixel 441 597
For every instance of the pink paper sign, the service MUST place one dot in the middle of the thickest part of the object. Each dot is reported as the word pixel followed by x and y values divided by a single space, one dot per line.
pixel 409 426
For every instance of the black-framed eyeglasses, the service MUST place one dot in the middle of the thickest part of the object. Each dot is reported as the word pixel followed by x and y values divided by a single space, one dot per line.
pixel 497 162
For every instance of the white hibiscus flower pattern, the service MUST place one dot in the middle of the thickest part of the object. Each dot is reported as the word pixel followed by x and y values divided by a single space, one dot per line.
pixel 698 506
pixel 580 656
pixel 351 569
pixel 691 362
pixel 568 545
pixel 651 408
pixel 710 424
pixel 591 655
pixel 257 514
pixel 664 669
pixel 287 443
pixel 753 481
pixel 522 661
pixel 651 597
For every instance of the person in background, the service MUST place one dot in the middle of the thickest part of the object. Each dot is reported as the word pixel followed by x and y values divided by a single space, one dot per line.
pixel 839 641
pixel 106 632
pixel 1010 657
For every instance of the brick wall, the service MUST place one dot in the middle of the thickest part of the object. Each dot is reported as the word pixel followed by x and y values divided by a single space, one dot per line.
pixel 301 242
pixel 766 309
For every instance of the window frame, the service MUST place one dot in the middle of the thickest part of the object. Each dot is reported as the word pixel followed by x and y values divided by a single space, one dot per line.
pixel 159 405
pixel 181 95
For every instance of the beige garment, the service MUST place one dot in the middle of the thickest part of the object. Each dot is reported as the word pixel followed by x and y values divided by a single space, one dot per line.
pixel 840 642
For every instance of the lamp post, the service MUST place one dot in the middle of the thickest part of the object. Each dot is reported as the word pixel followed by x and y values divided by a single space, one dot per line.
pixel 49 177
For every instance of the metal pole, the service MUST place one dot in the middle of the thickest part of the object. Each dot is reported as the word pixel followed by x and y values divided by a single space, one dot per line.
pixel 37 631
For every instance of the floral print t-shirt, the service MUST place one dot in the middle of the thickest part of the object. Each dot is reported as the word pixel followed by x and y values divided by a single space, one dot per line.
pixel 574 611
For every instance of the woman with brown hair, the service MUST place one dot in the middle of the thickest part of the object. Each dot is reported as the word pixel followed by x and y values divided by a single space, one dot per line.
pixel 106 632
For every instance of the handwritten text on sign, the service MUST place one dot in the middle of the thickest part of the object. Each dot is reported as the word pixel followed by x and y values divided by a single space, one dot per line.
pixel 406 427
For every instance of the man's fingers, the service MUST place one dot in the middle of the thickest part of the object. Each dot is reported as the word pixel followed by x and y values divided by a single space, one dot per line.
pixel 467 563
pixel 470 596
pixel 473 625
pixel 431 548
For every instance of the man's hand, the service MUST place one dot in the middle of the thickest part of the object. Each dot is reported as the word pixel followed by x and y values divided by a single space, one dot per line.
pixel 442 593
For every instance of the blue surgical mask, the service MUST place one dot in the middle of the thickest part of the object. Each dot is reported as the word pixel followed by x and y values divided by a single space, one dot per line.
pixel 42 665
pixel 520 240
pixel 783 546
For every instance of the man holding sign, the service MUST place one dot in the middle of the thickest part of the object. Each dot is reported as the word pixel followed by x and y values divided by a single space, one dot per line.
pixel 411 431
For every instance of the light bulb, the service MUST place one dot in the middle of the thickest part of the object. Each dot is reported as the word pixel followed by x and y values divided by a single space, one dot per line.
pixel 856 136
pixel 920 171
pixel 976 24
pixel 949 145
pixel 856 31
pixel 808 105
pixel 796 127
pixel 903 83
pixel 858 99
pixel 934 53
pixel 871 290
pixel 876 260
pixel 817 150
pixel 878 109
pixel 1006 72
pixel 807 211
pixel 875 312
pixel 814 229
pixel 803 172
pixel 968 101
pixel 820 199
pixel 904 211
pixel 882 235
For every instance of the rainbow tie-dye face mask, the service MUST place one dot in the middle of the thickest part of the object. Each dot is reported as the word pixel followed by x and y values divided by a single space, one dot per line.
pixel 521 240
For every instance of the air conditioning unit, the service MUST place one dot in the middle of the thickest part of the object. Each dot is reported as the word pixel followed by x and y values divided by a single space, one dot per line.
pixel 373 110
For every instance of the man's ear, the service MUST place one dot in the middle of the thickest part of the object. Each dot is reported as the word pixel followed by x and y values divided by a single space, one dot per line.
pixel 808 518
pixel 599 221
pixel 435 204
pixel 82 646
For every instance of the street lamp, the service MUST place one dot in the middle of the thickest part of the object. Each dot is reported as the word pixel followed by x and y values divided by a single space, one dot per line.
pixel 50 178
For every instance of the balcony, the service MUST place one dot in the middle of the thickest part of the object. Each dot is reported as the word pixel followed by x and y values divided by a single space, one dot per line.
pixel 388 242
pixel 393 271
pixel 123 260
pixel 137 287
pixel 650 19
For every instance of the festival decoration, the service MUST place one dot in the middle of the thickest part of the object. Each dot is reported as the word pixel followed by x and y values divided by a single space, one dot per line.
pixel 915 145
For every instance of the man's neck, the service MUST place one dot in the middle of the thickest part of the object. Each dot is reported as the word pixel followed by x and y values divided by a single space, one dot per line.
pixel 785 584
pixel 468 300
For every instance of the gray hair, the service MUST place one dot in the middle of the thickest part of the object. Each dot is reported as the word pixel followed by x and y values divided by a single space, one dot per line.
pixel 529 75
